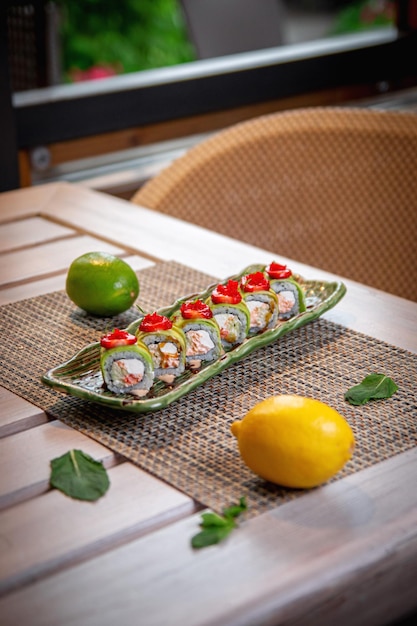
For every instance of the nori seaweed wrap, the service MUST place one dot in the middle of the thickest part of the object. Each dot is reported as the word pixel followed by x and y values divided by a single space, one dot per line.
pixel 202 333
pixel 261 301
pixel 126 364
pixel 167 346
pixel 231 314
pixel 291 299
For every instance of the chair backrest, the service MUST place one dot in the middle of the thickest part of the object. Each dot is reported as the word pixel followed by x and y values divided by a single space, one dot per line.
pixel 335 188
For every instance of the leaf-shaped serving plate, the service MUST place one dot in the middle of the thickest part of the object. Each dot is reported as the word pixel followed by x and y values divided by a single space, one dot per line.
pixel 81 375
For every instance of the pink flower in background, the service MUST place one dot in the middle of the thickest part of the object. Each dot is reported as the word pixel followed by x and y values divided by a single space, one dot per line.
pixel 93 73
pixel 378 9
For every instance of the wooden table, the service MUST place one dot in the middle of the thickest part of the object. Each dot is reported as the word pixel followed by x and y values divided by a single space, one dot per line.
pixel 345 553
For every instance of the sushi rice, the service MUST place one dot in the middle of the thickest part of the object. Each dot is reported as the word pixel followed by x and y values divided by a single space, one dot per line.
pixel 127 369
pixel 291 300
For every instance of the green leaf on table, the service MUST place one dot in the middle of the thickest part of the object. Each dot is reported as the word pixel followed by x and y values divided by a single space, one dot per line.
pixel 212 520
pixel 372 387
pixel 216 527
pixel 211 536
pixel 79 476
pixel 236 509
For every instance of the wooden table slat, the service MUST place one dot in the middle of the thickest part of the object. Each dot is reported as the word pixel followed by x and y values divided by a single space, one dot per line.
pixel 134 503
pixel 30 231
pixel 25 459
pixel 27 202
pixel 35 288
pixel 32 288
pixel 300 561
pixel 17 414
pixel 49 258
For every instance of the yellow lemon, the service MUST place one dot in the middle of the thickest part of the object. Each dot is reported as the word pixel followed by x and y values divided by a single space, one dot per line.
pixel 294 441
pixel 101 284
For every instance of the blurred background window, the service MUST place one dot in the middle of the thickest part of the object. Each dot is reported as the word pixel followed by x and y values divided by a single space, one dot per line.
pixel 64 41
pixel 177 70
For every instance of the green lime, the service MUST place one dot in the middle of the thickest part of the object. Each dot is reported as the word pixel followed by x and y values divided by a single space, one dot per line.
pixel 102 284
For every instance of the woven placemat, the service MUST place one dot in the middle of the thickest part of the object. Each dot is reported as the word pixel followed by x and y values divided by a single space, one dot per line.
pixel 189 444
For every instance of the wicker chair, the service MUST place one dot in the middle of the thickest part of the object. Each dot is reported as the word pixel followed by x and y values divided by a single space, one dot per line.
pixel 335 188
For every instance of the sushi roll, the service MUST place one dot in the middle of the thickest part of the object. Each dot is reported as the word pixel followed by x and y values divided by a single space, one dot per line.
pixel 126 364
pixel 202 333
pixel 291 299
pixel 230 313
pixel 166 343
pixel 261 300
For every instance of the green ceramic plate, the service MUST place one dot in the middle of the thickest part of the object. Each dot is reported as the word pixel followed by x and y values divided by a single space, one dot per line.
pixel 81 375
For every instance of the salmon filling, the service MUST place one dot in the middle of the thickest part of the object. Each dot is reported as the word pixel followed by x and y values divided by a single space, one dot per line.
pixel 198 342
pixel 127 372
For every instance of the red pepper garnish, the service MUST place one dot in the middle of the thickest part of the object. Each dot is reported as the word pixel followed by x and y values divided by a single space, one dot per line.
pixel 196 309
pixel 227 294
pixel 117 338
pixel 276 270
pixel 153 322
pixel 255 282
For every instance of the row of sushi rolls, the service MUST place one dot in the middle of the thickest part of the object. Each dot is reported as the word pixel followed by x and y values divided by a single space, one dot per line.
pixel 199 331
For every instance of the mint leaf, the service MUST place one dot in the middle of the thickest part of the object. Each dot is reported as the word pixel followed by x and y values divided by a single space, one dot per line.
pixel 236 509
pixel 79 476
pixel 211 536
pixel 372 387
pixel 212 519
pixel 215 527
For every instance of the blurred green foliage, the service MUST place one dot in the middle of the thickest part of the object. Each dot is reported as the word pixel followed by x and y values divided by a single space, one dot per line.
pixel 359 16
pixel 126 35
pixel 118 36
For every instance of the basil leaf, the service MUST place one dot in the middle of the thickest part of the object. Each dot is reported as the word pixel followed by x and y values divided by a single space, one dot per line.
pixel 216 527
pixel 372 387
pixel 79 476
pixel 211 536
